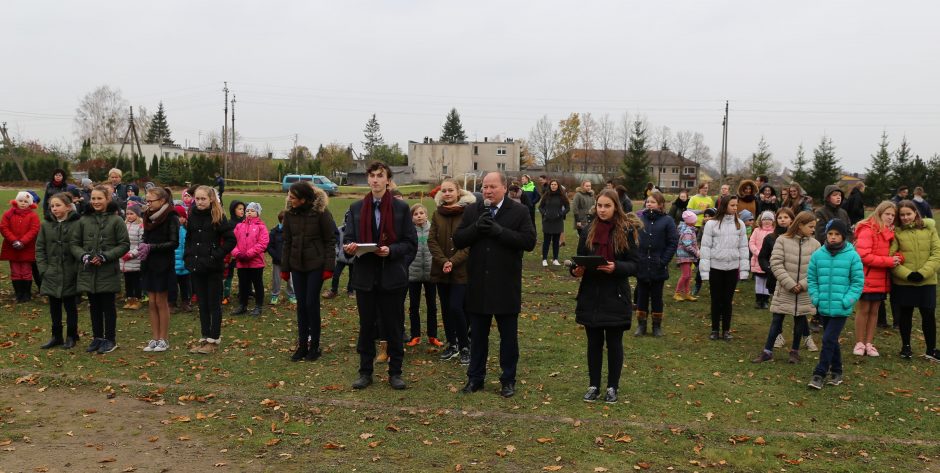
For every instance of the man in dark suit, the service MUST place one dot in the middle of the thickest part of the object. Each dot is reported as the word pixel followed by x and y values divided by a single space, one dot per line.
pixel 381 277
pixel 498 231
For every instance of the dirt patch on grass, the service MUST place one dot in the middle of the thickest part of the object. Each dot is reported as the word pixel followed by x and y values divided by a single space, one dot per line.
pixel 78 429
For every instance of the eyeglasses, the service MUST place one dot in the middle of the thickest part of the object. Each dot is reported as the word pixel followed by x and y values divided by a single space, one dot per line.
pixel 154 200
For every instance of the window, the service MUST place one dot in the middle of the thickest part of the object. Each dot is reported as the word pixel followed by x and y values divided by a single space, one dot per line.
pixel 501 166
pixel 476 150
pixel 291 179
pixel 652 169
pixel 317 180
pixel 500 151
pixel 673 184
pixel 689 184
pixel 444 170
pixel 675 170
pixel 476 166
pixel 662 170
pixel 689 171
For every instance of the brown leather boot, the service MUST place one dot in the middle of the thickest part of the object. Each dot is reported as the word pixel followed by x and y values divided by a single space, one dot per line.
pixel 382 355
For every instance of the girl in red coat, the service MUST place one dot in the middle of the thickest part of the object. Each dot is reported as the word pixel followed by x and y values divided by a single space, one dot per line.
pixel 873 242
pixel 20 227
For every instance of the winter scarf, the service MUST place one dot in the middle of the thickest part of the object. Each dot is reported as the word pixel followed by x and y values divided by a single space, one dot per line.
pixel 386 225
pixel 602 245
pixel 155 219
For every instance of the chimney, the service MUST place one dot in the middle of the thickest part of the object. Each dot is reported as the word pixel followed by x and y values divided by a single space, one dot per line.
pixel 485 139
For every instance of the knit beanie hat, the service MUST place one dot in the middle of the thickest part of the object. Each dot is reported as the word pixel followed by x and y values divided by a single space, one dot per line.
pixel 710 212
pixel 746 215
pixel 134 209
pixel 839 226
pixel 253 206
pixel 689 217
pixel 24 194
pixel 767 215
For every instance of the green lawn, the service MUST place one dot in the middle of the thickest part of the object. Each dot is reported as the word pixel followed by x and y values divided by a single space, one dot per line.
pixel 687 404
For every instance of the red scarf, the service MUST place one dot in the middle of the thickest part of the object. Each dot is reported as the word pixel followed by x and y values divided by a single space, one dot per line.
pixel 602 242
pixel 386 225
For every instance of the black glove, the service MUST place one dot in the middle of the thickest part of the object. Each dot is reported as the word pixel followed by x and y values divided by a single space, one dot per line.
pixel 495 229
pixel 485 223
pixel 915 277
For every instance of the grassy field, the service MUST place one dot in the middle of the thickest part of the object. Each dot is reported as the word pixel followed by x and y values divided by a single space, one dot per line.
pixel 687 404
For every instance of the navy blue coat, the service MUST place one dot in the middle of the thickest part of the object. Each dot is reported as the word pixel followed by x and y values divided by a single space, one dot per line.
pixel 383 273
pixel 658 241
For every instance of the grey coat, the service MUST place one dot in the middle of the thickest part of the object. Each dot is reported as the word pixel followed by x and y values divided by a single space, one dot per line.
pixel 420 269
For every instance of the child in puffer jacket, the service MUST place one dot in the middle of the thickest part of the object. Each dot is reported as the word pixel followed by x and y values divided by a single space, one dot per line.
pixel 251 237
pixel 835 280
pixel 342 261
pixel 419 275
pixel 130 262
pixel 755 243
pixel 275 248
pixel 686 254
pixel 183 288
pixel 20 228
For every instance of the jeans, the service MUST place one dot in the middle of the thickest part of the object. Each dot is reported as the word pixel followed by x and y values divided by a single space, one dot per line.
pixel 414 307
pixel 649 293
pixel 508 325
pixel 103 315
pixel 928 322
pixel 247 278
pixel 276 282
pixel 71 316
pixel 830 357
pixel 552 238
pixel 455 319
pixel 308 307
pixel 338 272
pixel 380 310
pixel 721 285
pixel 208 289
pixel 776 328
pixel 596 336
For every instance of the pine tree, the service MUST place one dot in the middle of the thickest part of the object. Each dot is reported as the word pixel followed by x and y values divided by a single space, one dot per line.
pixel 903 166
pixel 373 136
pixel 159 132
pixel 826 169
pixel 636 163
pixel 879 182
pixel 452 131
pixel 154 167
pixel 85 153
pixel 800 174
pixel 762 160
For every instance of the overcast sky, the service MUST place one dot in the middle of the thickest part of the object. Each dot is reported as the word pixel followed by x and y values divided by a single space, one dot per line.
pixel 793 71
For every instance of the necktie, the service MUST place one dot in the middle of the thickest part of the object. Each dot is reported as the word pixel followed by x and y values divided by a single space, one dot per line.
pixel 493 211
pixel 376 204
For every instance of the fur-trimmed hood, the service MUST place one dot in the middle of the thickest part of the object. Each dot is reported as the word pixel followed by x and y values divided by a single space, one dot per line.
pixel 72 216
pixel 466 198
pixel 319 204
pixel 747 183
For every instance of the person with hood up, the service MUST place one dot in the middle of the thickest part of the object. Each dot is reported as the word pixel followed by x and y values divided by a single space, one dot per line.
pixel 755 243
pixel 679 206
pixel 747 196
pixel 767 200
pixel 830 210
pixel 20 227
pixel 236 213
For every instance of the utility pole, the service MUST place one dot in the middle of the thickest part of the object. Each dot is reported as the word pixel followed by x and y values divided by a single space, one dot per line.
pixel 296 158
pixel 724 144
pixel 233 125
pixel 225 134
pixel 8 143
pixel 132 133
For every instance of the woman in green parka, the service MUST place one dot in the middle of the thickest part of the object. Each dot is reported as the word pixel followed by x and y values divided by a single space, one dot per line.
pixel 59 268
pixel 98 242
pixel 914 281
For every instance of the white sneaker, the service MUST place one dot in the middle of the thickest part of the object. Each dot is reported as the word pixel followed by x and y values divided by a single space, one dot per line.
pixel 150 345
pixel 162 345
pixel 544 262
pixel 810 344
pixel 779 342
pixel 555 262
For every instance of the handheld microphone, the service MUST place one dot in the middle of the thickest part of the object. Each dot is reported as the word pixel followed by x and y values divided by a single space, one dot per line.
pixel 569 264
pixel 487 204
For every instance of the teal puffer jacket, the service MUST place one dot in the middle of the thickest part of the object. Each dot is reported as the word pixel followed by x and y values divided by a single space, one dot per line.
pixel 835 282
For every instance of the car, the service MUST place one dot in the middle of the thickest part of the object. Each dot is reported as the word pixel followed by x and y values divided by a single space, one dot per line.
pixel 322 182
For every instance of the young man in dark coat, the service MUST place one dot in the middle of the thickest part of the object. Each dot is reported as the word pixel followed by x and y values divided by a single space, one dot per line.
pixel 381 276
pixel 497 231
pixel 831 209
pixel 854 205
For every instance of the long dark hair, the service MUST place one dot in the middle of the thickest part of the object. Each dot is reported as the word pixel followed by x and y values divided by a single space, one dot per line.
pixel 623 224
pixel 549 191
pixel 723 202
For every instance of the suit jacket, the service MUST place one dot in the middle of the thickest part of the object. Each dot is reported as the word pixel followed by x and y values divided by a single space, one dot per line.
pixel 494 267
pixel 389 272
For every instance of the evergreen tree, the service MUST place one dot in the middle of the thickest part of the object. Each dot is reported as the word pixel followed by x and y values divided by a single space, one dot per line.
pixel 800 173
pixel 879 182
pixel 452 131
pixel 636 163
pixel 904 174
pixel 154 167
pixel 159 132
pixel 762 160
pixel 826 169
pixel 373 136
pixel 85 153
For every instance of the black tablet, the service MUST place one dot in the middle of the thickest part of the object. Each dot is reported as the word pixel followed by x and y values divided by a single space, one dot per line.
pixel 589 262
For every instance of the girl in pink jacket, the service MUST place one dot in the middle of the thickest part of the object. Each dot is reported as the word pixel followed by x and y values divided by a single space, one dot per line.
pixel 764 227
pixel 251 236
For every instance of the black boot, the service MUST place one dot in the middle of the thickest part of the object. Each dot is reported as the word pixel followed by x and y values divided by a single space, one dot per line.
pixel 55 341
pixel 26 288
pixel 70 342
pixel 640 323
pixel 241 310
pixel 657 324
pixel 301 351
pixel 17 290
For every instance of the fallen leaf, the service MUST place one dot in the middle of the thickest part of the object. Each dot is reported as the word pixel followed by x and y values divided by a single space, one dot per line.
pixel 738 439
pixel 366 435
pixel 220 464
pixel 90 411
pixel 333 446
pixel 183 438
pixel 624 439
pixel 642 466
pixel 551 468
pixel 375 444
pixel 600 469
pixel 41 469
pixel 107 460
pixel 510 448
pixel 709 415
pixel 153 438
pixel 129 469
pixel 392 428
pixel 760 441
pixel 544 440
pixel 272 442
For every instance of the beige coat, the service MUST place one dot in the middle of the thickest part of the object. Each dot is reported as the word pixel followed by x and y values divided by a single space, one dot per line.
pixel 789 262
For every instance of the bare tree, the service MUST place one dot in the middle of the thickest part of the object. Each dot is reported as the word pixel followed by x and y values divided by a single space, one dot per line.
pixel 606 139
pixel 102 116
pixel 699 151
pixel 543 139
pixel 624 129
pixel 682 142
pixel 588 131
pixel 662 138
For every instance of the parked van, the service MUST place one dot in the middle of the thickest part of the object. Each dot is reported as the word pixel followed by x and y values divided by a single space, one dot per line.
pixel 322 182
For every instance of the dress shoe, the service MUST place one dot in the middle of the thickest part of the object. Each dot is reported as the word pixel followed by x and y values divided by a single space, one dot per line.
pixel 300 353
pixel 241 310
pixel 396 382
pixel 472 387
pixel 363 382
pixel 313 354
pixel 53 342
pixel 70 343
pixel 508 390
